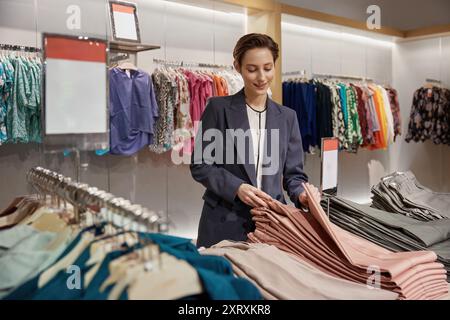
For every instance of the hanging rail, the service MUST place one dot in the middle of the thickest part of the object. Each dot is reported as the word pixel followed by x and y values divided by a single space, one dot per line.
pixel 82 197
pixel 433 81
pixel 12 47
pixel 293 73
pixel 191 64
pixel 344 77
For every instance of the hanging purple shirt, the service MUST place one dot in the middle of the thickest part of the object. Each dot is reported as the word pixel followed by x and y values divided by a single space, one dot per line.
pixel 133 111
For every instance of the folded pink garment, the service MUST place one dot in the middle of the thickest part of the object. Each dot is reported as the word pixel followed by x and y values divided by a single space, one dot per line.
pixel 421 270
pixel 414 275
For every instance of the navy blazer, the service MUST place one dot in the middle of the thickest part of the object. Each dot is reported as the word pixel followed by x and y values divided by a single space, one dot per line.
pixel 224 215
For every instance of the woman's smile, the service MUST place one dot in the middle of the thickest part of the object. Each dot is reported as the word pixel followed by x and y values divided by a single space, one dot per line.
pixel 260 86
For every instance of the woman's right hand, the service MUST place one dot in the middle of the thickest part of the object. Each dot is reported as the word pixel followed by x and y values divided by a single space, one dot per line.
pixel 252 196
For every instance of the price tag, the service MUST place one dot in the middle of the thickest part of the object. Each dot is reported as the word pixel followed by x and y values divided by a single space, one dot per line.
pixel 329 167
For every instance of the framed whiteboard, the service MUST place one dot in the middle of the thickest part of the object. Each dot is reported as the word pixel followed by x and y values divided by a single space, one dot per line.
pixel 124 21
pixel 75 85
pixel 75 97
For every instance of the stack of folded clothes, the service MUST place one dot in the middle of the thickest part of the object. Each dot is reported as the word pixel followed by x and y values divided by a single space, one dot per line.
pixel 392 231
pixel 312 237
pixel 401 193
pixel 280 275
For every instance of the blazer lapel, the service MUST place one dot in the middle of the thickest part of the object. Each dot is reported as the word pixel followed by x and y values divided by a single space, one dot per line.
pixel 237 119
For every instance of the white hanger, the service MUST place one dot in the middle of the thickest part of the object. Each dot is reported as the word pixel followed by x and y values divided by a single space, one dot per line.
pixel 127 65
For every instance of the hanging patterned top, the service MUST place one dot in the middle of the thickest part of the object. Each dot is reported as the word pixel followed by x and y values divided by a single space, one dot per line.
pixel 3 134
pixel 20 99
pixel 395 108
pixel 430 116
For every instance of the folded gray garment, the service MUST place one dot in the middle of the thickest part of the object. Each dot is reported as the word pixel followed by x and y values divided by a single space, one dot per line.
pixel 363 226
pixel 392 231
pixel 383 200
pixel 402 193
pixel 428 233
pixel 394 241
pixel 413 192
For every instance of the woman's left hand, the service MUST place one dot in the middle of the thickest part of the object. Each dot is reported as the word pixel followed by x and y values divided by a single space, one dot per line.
pixel 303 198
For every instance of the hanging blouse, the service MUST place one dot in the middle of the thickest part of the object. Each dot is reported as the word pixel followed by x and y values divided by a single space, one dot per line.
pixel 324 121
pixel 206 91
pixel 343 93
pixel 7 81
pixel 184 128
pixel 3 134
pixel 194 85
pixel 16 117
pixel 34 102
pixel 219 86
pixel 166 95
pixel 430 116
pixel 20 99
pixel 362 115
pixel 370 115
pixel 338 118
pixel 382 135
pixel 133 111
pixel 354 128
pixel 235 82
pixel 301 97
pixel 395 108
pixel 388 112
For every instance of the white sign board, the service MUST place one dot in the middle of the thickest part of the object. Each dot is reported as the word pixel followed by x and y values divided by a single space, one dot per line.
pixel 75 86
pixel 329 170
pixel 124 21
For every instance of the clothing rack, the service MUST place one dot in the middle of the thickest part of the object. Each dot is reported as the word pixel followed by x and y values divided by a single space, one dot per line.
pixel 433 81
pixel 11 47
pixel 84 197
pixel 191 64
pixel 119 57
pixel 293 73
pixel 343 77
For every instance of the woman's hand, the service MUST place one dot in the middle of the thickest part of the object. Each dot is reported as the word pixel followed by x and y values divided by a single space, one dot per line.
pixel 303 198
pixel 252 196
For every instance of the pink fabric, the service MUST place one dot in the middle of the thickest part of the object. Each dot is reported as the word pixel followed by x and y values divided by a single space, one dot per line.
pixel 193 82
pixel 206 91
pixel 200 89
pixel 312 237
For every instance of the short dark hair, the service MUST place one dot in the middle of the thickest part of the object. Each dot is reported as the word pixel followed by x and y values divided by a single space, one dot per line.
pixel 254 40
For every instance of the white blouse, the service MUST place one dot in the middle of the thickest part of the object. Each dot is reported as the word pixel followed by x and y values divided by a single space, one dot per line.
pixel 257 122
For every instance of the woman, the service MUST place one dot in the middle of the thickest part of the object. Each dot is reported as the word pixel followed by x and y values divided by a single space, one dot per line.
pixel 238 175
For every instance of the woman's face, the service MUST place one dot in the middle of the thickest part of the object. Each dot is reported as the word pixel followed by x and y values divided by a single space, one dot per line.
pixel 257 69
